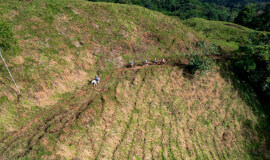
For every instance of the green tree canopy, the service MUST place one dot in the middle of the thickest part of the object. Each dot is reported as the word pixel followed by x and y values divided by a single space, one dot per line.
pixel 246 16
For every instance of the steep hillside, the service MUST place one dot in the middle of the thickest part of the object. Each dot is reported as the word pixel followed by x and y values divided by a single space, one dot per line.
pixel 158 112
pixel 63 44
pixel 145 113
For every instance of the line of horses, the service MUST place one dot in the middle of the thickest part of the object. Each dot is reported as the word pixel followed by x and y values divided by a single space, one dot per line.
pixel 95 82
pixel 144 63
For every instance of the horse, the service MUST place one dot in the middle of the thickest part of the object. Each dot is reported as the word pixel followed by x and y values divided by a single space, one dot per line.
pixel 130 66
pixel 95 82
pixel 161 63
pixel 154 62
pixel 145 63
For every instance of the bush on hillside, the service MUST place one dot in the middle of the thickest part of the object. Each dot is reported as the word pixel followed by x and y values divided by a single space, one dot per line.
pixel 214 49
pixel 201 44
pixel 6 36
pixel 201 63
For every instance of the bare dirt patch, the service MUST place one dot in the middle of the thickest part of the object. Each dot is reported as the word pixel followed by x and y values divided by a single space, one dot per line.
pixel 235 26
pixel 11 14
pixel 18 60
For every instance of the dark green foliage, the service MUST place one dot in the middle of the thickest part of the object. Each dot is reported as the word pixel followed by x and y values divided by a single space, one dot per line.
pixel 262 21
pixel 214 49
pixel 6 36
pixel 3 99
pixel 251 62
pixel 195 63
pixel 246 15
pixel 255 17
pixel 201 63
pixel 201 44
pixel 234 2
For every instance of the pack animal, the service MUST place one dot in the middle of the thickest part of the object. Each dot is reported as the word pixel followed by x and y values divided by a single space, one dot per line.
pixel 95 82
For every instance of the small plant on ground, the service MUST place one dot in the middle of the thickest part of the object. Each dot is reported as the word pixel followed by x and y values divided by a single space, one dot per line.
pixel 201 44
pixel 214 49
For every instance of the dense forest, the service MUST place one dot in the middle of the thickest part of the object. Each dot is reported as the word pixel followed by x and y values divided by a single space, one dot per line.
pixel 238 11
pixel 233 2
pixel 256 17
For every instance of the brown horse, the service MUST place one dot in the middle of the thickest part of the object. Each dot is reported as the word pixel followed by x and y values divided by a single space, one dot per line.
pixel 129 65
pixel 161 63
pixel 145 63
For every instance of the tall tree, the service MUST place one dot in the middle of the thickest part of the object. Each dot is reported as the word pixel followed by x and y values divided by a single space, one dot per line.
pixel 246 16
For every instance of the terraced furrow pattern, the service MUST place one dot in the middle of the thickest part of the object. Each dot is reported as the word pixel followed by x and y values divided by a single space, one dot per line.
pixel 146 113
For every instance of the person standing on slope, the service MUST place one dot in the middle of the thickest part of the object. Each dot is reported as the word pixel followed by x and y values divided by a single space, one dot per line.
pixel 131 64
pixel 145 61
pixel 97 79
pixel 155 61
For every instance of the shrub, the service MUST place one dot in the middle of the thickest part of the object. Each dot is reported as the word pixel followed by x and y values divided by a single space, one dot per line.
pixel 199 62
pixel 201 44
pixel 214 49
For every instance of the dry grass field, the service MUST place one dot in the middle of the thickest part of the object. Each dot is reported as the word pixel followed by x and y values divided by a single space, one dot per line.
pixel 153 112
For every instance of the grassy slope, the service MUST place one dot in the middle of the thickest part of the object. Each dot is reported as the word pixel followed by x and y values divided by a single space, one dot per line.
pixel 149 112
pixel 227 35
pixel 152 112
pixel 48 66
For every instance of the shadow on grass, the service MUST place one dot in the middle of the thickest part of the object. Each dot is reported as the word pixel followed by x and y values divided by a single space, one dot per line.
pixel 187 69
pixel 188 72
pixel 258 148
pixel 89 82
